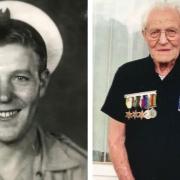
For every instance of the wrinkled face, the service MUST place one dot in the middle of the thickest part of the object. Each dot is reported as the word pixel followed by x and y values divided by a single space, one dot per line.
pixel 20 90
pixel 162 34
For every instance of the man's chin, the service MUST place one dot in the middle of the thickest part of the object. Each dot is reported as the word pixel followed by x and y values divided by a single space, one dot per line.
pixel 164 60
pixel 8 140
pixel 9 137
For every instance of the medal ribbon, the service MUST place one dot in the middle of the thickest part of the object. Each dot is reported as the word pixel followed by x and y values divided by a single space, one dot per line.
pixel 153 100
pixel 129 102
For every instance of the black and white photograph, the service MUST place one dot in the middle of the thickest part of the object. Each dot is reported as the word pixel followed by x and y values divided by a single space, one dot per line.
pixel 43 90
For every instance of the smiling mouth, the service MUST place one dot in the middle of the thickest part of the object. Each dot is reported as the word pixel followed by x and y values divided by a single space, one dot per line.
pixel 8 114
pixel 164 49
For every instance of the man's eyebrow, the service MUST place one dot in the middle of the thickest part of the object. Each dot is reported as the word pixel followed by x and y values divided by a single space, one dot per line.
pixel 24 71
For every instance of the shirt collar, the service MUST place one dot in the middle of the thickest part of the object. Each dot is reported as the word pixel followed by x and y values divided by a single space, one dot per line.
pixel 53 154
pixel 173 73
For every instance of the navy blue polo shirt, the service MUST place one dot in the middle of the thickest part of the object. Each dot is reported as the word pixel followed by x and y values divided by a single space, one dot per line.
pixel 152 142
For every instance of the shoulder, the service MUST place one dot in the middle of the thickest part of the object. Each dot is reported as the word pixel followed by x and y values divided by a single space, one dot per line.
pixel 70 148
pixel 134 68
pixel 132 65
pixel 62 154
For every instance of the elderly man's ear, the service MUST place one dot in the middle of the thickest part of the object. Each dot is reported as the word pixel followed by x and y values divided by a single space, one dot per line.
pixel 44 80
pixel 144 34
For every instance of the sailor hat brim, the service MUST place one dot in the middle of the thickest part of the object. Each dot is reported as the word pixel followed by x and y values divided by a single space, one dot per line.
pixel 40 21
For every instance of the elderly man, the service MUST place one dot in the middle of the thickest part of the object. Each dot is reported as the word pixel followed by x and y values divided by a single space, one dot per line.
pixel 144 103
pixel 30 49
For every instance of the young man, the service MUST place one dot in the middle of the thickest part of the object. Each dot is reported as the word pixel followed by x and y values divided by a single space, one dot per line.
pixel 30 49
pixel 144 103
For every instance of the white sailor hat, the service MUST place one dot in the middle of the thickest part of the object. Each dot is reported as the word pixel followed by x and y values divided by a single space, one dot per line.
pixel 43 24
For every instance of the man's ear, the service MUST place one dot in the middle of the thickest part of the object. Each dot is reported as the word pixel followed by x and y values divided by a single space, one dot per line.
pixel 144 35
pixel 44 80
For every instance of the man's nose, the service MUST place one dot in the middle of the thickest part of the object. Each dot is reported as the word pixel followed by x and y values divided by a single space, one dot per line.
pixel 163 38
pixel 5 92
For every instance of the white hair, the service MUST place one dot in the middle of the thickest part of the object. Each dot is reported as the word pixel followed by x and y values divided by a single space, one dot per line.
pixel 158 5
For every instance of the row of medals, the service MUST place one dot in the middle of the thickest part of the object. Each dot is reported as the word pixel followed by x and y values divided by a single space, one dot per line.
pixel 145 103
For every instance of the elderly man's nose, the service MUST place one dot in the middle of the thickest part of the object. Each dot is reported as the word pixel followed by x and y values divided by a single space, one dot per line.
pixel 5 92
pixel 163 38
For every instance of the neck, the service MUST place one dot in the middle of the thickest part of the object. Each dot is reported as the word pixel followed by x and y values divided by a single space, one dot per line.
pixel 163 69
pixel 14 155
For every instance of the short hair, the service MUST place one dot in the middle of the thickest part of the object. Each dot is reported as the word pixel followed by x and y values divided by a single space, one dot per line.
pixel 15 31
pixel 160 6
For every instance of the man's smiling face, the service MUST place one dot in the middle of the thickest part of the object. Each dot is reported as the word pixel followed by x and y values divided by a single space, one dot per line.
pixel 165 22
pixel 20 90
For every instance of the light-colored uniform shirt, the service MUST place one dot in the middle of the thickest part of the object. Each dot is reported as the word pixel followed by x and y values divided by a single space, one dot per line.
pixel 56 159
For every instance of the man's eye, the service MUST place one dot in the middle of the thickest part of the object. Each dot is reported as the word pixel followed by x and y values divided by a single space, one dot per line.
pixel 154 33
pixel 22 78
pixel 171 32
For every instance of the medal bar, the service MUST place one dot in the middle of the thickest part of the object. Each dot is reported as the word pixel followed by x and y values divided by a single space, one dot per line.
pixel 140 94
pixel 141 105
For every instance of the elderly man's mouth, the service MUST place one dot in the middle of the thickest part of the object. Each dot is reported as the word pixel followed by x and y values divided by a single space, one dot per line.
pixel 8 114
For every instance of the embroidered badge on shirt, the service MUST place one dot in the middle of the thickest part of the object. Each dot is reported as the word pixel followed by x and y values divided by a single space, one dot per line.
pixel 142 105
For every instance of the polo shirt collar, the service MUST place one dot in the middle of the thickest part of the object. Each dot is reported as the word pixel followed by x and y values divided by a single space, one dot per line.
pixel 174 72
pixel 176 68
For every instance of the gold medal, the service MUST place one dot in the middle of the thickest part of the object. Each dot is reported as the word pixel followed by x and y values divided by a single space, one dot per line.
pixel 141 114
pixel 129 115
pixel 135 114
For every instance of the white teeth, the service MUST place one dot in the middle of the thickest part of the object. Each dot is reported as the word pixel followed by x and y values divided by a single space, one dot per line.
pixel 7 114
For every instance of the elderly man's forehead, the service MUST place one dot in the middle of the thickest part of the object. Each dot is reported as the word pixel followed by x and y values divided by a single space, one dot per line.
pixel 164 10
pixel 163 14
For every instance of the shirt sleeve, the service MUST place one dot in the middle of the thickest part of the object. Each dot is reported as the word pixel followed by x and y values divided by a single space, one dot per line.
pixel 114 105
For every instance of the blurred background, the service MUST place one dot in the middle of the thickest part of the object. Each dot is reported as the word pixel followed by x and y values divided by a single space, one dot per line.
pixel 64 108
